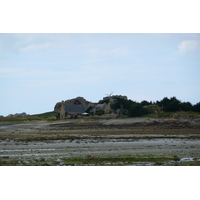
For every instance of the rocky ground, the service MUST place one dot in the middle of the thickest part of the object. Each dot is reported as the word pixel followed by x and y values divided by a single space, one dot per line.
pixel 131 141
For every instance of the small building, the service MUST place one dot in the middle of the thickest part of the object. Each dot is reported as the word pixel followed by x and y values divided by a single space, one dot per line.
pixel 105 107
pixel 72 109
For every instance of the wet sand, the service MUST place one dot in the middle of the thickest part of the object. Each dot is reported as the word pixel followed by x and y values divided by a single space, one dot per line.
pixel 99 138
pixel 83 147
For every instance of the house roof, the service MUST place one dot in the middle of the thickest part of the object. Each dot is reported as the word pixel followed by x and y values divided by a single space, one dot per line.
pixel 75 108
pixel 99 105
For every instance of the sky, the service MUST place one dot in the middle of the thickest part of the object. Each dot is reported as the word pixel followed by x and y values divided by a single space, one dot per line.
pixel 39 70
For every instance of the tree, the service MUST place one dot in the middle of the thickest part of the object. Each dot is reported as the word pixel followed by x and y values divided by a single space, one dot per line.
pixel 137 110
pixel 169 105
pixel 186 106
pixel 120 103
pixel 196 107
pixel 104 101
pixel 145 103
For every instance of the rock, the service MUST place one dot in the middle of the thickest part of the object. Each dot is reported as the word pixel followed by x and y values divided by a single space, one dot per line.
pixel 57 107
pixel 153 108
pixel 180 116
pixel 116 96
pixel 5 157
pixel 176 116
pixel 176 158
pixel 89 157
pixel 23 114
pixel 45 164
pixel 75 101
pixel 197 117
pixel 56 163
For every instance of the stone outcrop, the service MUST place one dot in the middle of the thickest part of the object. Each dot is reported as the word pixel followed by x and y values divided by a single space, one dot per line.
pixel 23 114
pixel 153 108
pixel 116 96
pixel 82 101
pixel 75 101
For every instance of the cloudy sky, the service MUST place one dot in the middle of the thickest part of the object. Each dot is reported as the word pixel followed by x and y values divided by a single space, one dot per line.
pixel 38 70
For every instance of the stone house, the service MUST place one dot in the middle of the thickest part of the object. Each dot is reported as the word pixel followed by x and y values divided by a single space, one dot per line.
pixel 105 107
pixel 72 109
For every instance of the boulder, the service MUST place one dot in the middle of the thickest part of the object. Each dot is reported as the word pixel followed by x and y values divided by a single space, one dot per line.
pixel 23 114
pixel 75 101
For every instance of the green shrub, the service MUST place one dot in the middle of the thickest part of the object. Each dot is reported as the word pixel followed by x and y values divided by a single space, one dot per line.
pixel 100 112
pixel 136 110
pixel 196 107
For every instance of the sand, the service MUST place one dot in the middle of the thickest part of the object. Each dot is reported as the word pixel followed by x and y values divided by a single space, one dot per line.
pixel 85 137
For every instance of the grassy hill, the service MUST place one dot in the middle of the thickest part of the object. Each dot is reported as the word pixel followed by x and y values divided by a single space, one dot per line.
pixel 42 116
pixel 45 116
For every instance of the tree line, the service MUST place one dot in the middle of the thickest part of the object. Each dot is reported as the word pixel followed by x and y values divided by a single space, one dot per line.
pixel 133 108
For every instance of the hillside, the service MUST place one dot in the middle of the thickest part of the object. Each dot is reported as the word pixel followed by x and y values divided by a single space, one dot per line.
pixel 121 105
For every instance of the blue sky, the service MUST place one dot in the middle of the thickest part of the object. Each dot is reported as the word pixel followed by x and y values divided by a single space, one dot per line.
pixel 38 70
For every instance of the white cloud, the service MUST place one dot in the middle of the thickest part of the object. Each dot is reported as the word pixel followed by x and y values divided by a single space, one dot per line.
pixel 188 46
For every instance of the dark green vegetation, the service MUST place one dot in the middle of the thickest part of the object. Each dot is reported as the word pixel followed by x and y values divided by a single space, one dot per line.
pixel 100 112
pixel 173 105
pixel 89 160
pixel 138 109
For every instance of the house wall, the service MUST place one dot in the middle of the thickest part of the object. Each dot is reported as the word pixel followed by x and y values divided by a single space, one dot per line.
pixel 62 112
pixel 107 108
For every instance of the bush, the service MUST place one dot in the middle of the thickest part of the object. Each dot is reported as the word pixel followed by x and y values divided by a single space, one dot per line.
pixel 169 105
pixel 196 107
pixel 137 110
pixel 145 103
pixel 99 112
pixel 186 106
pixel 104 101
pixel 91 113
